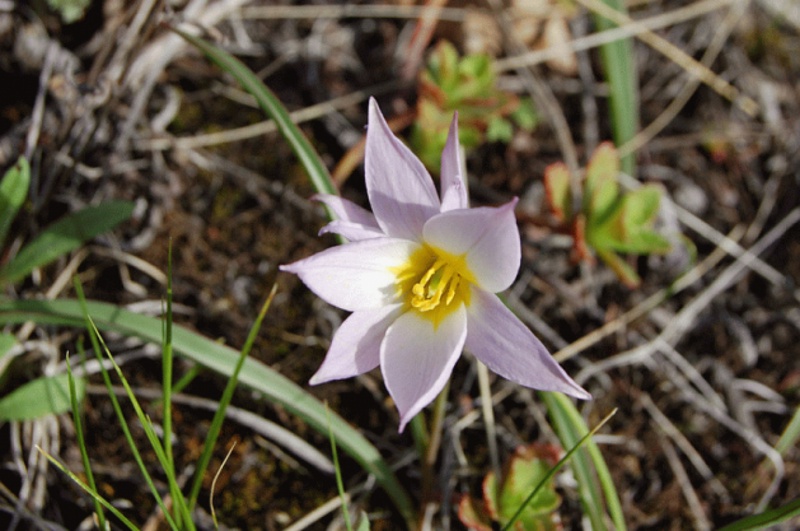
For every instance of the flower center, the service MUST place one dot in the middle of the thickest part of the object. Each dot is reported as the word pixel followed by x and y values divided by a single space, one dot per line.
pixel 434 282
pixel 441 278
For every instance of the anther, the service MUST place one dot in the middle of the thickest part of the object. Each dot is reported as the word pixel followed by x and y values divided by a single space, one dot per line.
pixel 440 280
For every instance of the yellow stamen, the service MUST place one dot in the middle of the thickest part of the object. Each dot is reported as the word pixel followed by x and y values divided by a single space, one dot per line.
pixel 434 282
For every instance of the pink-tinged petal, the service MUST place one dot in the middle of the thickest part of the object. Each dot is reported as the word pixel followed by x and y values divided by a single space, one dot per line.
pixel 346 210
pixel 453 182
pixel 504 344
pixel 417 359
pixel 400 189
pixel 356 346
pixel 352 231
pixel 487 237
pixel 355 276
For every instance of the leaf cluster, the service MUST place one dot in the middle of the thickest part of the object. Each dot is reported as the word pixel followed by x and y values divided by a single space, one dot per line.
pixel 468 85
pixel 503 496
pixel 609 221
pixel 44 395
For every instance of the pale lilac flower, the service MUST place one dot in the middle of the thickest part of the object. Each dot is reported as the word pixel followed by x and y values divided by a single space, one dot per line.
pixel 420 276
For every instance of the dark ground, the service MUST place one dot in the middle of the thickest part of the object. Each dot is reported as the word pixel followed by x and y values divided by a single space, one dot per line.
pixel 704 382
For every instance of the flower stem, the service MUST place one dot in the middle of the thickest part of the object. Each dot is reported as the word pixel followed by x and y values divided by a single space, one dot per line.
pixel 439 409
pixel 430 450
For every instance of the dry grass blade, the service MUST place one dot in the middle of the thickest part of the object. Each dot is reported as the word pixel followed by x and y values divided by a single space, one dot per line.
pixel 688 315
pixel 717 238
pixel 540 92
pixel 701 522
pixel 702 366
pixel 451 14
pixel 676 16
pixel 668 427
pixel 693 67
pixel 671 111
pixel 268 126
pixel 646 306
pixel 252 421
pixel 214 483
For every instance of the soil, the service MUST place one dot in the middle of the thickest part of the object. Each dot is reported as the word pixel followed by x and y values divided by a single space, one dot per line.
pixel 705 382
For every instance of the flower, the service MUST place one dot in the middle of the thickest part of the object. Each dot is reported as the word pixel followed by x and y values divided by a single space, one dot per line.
pixel 420 276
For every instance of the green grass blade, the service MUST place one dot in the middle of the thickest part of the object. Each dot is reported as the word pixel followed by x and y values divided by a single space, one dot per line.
pixel 99 499
pixel 294 398
pixel 181 514
pixel 594 479
pixel 620 73
pixel 767 518
pixel 338 470
pixel 790 434
pixel 166 385
pixel 222 359
pixel 65 235
pixel 82 317
pixel 311 161
pixel 13 191
pixel 76 420
pixel 227 395
pixel 552 472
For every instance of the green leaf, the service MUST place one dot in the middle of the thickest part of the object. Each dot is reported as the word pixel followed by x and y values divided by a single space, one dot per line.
pixel 7 342
pixel 640 207
pixel 65 235
pixel 69 10
pixel 363 522
pixel 491 497
pixel 443 67
pixel 13 191
pixel 626 274
pixel 556 184
pixel 499 130
pixel 601 190
pixel 271 384
pixel 766 519
pixel 524 475
pixel 525 115
pixel 643 242
pixel 629 231
pixel 40 397
pixel 476 80
pixel 472 516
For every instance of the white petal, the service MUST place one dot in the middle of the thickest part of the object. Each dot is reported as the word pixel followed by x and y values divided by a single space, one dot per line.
pixel 346 210
pixel 356 346
pixel 489 238
pixel 453 182
pixel 417 359
pixel 352 231
pixel 400 189
pixel 504 344
pixel 355 276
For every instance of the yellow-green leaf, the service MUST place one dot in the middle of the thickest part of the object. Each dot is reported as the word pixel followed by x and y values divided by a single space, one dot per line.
pixel 556 184
pixel 601 189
